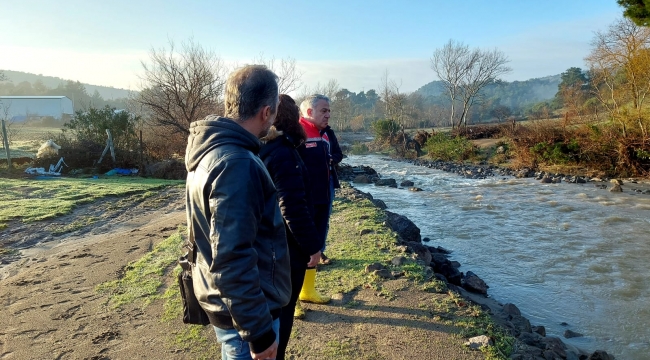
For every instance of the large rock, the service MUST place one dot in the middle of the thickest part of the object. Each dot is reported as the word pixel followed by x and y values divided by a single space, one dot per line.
pixel 362 179
pixel 571 334
pixel 379 203
pixel 471 282
pixel 443 266
pixel 421 252
pixel 554 347
pixel 532 339
pixel 478 342
pixel 616 188
pixel 600 355
pixel 403 226
pixel 511 309
pixel 525 173
pixel 539 329
pixel 386 182
pixel 406 183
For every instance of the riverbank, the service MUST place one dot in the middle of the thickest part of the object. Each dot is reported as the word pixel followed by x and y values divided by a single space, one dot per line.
pixel 531 341
pixel 387 303
pixel 107 290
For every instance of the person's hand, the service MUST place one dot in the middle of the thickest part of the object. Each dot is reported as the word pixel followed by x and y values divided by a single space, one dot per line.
pixel 269 353
pixel 313 260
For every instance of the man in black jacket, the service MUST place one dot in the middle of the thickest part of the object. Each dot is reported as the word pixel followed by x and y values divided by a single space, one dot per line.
pixel 242 271
pixel 315 153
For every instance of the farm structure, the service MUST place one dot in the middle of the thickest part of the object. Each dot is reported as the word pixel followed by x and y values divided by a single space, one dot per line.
pixel 21 108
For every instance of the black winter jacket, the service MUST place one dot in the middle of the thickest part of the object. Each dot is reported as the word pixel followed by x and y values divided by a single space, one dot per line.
pixel 315 154
pixel 291 180
pixel 242 273
pixel 335 154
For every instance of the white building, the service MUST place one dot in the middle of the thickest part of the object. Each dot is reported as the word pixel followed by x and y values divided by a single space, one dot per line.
pixel 21 108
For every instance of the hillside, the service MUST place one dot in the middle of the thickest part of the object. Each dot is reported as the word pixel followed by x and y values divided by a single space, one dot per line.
pixel 516 94
pixel 106 92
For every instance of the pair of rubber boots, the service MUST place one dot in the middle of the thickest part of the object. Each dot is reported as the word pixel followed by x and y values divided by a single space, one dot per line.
pixel 309 294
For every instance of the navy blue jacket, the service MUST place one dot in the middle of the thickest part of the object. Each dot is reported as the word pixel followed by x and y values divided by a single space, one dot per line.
pixel 291 180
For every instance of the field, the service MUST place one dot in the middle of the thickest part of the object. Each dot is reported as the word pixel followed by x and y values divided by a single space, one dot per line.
pixel 25 140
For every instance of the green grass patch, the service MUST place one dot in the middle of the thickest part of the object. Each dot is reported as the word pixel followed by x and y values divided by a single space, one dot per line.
pixel 34 200
pixel 359 148
pixel 353 252
pixel 452 309
pixel 143 279
pixel 75 225
pixel 442 146
pixel 141 285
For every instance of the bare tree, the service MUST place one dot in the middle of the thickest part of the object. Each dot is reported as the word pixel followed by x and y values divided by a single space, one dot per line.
pixel 181 86
pixel 501 112
pixel 289 77
pixel 465 72
pixel 485 67
pixel 620 69
pixel 12 128
pixel 451 64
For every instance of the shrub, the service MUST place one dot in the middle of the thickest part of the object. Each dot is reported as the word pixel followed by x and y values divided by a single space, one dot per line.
pixel 359 149
pixel 385 129
pixel 442 146
pixel 558 153
pixel 478 131
pixel 83 140
pixel 90 126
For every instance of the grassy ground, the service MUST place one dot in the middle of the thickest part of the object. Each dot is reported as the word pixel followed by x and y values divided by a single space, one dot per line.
pixel 34 200
pixel 152 279
pixel 25 140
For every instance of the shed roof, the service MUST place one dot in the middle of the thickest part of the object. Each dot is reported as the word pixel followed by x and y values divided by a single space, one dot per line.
pixel 32 97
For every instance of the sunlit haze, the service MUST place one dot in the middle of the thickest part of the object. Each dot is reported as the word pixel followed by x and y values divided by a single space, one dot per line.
pixel 354 42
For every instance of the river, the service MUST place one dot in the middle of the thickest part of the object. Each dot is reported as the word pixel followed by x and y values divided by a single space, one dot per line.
pixel 563 253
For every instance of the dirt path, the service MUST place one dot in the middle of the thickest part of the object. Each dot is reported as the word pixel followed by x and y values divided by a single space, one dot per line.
pixel 50 306
pixel 51 309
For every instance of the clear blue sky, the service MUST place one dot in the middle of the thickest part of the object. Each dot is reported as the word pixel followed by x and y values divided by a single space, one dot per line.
pixel 103 42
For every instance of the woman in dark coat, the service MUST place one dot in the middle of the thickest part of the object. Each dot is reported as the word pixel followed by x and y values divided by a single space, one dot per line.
pixel 291 180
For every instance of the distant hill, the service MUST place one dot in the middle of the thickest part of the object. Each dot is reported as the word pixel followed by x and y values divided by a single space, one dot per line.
pixel 516 94
pixel 106 92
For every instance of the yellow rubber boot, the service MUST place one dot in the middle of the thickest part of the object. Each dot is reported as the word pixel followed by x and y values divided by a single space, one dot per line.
pixel 298 312
pixel 308 292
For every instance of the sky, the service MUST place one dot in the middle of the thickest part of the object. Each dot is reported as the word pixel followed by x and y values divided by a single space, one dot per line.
pixel 355 42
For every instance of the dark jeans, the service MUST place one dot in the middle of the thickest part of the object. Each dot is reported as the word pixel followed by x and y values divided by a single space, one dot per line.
pixel 322 220
pixel 298 268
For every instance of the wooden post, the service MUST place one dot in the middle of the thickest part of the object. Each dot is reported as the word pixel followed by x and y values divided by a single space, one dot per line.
pixel 6 144
pixel 141 164
pixel 110 144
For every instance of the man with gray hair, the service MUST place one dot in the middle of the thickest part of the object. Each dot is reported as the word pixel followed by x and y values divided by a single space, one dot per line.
pixel 241 274
pixel 318 155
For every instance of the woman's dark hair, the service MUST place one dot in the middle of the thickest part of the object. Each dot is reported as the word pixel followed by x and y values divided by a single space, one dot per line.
pixel 288 118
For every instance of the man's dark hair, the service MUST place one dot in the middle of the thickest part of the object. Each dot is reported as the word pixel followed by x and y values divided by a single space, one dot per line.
pixel 248 90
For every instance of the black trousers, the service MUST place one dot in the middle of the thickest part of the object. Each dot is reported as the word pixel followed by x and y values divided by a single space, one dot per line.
pixel 298 268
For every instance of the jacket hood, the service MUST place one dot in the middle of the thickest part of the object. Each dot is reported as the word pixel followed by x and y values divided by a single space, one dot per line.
pixel 272 135
pixel 214 131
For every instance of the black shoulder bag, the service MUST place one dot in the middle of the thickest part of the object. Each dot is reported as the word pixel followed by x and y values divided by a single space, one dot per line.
pixel 193 313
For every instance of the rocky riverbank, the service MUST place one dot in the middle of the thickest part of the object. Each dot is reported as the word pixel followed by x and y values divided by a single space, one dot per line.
pixel 531 341
pixel 368 175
